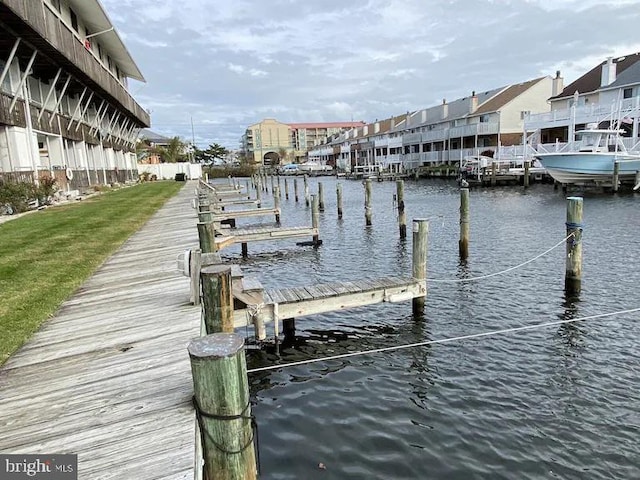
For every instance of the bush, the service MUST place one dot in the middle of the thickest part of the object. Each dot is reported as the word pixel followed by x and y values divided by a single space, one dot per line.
pixel 225 171
pixel 16 194
pixel 44 192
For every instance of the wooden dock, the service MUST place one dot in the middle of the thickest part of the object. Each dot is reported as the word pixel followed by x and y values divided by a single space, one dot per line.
pixel 108 377
pixel 310 300
pixel 245 235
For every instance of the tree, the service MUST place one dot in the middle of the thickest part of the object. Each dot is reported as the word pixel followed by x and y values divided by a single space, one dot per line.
pixel 217 151
pixel 282 156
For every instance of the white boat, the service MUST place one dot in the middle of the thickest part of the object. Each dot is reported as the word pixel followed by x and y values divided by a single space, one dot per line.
pixel 592 160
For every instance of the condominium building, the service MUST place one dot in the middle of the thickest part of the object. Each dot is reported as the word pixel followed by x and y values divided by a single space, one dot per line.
pixel 442 134
pixel 65 109
pixel 271 142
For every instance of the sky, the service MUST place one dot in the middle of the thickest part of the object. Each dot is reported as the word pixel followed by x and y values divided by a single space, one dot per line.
pixel 227 64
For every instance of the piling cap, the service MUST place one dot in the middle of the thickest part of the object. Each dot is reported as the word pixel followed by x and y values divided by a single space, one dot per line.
pixel 217 345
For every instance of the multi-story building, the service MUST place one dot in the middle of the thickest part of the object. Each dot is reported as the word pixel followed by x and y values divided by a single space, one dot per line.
pixel 442 134
pixel 270 142
pixel 65 109
pixel 605 95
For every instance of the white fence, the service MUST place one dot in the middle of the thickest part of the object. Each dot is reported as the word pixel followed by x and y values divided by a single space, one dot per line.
pixel 167 171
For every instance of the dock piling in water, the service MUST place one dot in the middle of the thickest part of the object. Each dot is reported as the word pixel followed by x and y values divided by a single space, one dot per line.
pixel 306 189
pixel 320 197
pixel 464 224
pixel 217 299
pixel 223 407
pixel 616 176
pixel 339 199
pixel 402 216
pixel 527 165
pixel 295 189
pixel 276 203
pixel 286 189
pixel 368 211
pixel 573 271
pixel 315 218
pixel 419 259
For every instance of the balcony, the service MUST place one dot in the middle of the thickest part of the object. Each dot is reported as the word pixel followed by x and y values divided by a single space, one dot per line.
pixel 36 23
pixel 435 135
pixel 411 138
pixel 473 130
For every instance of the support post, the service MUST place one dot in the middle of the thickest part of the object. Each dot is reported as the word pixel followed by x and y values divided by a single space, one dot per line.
pixel 245 249
pixel 637 182
pixel 286 189
pixel 339 194
pixel 195 266
pixel 223 409
pixel 616 176
pixel 207 237
pixel 295 189
pixel 573 271
pixel 315 218
pixel 368 211
pixel 289 328
pixel 279 190
pixel 273 184
pixel 320 197
pixel 276 203
pixel 527 165
pixel 494 167
pixel 306 190
pixel 419 259
pixel 464 224
pixel 259 194
pixel 402 216
pixel 217 299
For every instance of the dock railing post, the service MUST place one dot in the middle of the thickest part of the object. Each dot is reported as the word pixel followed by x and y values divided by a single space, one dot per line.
pixel 320 197
pixel 527 165
pixel 315 218
pixel 402 216
pixel 223 408
pixel 339 195
pixel 217 299
pixel 464 224
pixel 419 259
pixel 207 237
pixel 306 189
pixel 295 189
pixel 195 265
pixel 368 211
pixel 573 271
pixel 616 176
pixel 276 203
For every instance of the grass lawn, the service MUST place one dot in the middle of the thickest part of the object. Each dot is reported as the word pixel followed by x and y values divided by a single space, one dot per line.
pixel 47 255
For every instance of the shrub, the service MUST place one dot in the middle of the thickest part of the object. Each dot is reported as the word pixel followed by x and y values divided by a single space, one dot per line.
pixel 16 194
pixel 225 171
pixel 44 192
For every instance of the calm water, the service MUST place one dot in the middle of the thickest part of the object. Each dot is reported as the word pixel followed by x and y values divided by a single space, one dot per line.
pixel 559 402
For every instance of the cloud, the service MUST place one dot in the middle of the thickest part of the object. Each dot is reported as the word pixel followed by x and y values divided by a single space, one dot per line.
pixel 231 63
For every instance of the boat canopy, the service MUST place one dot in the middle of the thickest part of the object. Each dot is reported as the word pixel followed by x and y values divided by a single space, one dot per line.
pixel 597 140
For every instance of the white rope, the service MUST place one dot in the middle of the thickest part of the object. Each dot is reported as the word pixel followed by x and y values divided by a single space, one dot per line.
pixel 444 340
pixel 472 279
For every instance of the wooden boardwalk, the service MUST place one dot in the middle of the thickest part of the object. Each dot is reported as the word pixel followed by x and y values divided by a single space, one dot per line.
pixel 108 377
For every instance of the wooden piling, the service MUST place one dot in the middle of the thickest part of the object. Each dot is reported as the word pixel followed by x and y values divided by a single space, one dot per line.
pixel 306 190
pixel 494 167
pixel 289 328
pixel 205 216
pixel 573 271
pixel 278 184
pixel 616 176
pixel 259 196
pixel 419 259
pixel 526 179
pixel 244 246
pixel 339 194
pixel 206 237
pixel 223 408
pixel 195 266
pixel 637 182
pixel 315 218
pixel 295 189
pixel 276 203
pixel 273 184
pixel 464 224
pixel 368 211
pixel 320 197
pixel 402 216
pixel 286 189
pixel 217 299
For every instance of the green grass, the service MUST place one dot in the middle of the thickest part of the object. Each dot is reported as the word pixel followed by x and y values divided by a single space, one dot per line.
pixel 45 256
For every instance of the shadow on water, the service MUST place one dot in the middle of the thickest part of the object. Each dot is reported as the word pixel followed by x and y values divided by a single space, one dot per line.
pixel 571 334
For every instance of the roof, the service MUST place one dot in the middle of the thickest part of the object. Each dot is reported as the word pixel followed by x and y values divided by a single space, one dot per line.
pixel 629 76
pixel 590 81
pixel 505 96
pixel 153 137
pixel 327 125
pixel 95 17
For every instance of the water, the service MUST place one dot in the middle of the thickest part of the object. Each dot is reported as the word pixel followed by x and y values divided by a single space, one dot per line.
pixel 559 402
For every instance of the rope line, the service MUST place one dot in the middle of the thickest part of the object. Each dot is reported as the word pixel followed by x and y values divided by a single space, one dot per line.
pixel 444 340
pixel 472 279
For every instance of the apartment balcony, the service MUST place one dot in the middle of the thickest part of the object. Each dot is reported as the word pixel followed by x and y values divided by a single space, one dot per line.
pixel 57 45
pixel 474 129
pixel 435 135
pixel 395 142
pixel 590 113
pixel 411 138
pixel 381 142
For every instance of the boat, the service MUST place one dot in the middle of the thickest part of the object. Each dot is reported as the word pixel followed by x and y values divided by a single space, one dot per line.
pixel 591 158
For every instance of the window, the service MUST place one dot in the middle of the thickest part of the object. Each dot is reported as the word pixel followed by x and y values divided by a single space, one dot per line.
pixel 627 93
pixel 524 114
pixel 74 20
pixel 484 118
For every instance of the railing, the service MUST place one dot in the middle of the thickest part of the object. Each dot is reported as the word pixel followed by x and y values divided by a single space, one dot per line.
pixel 395 142
pixel 474 129
pixel 434 135
pixel 590 113
pixel 411 138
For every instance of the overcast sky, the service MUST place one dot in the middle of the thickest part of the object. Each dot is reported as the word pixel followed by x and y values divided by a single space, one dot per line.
pixel 230 63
